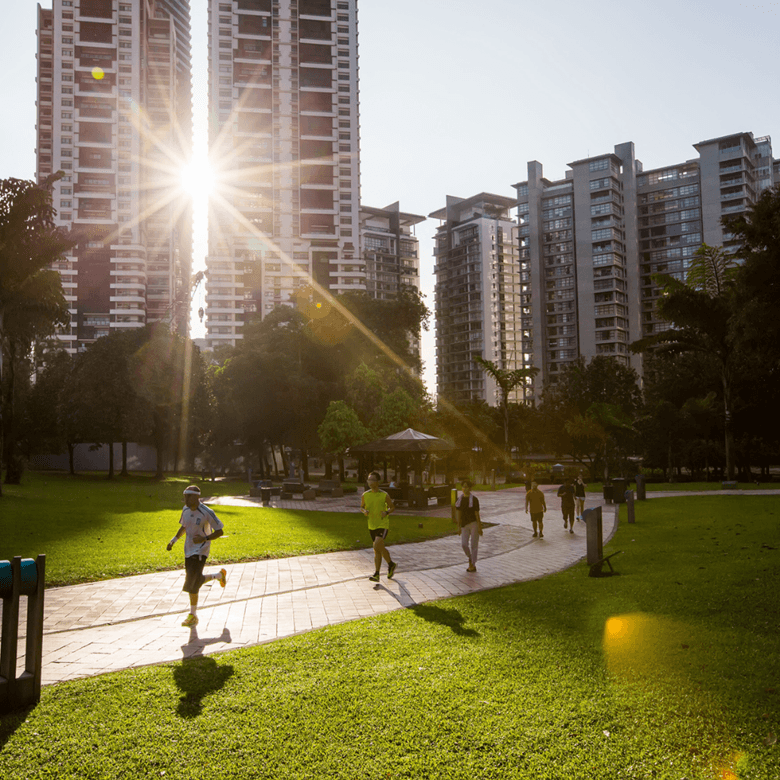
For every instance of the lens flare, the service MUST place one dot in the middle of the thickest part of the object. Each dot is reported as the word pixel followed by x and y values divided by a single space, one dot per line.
pixel 97 73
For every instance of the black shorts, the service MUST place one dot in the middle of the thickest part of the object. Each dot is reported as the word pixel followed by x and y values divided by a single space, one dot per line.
pixel 193 573
pixel 378 533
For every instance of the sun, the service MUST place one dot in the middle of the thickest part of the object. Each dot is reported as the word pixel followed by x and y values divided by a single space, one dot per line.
pixel 197 178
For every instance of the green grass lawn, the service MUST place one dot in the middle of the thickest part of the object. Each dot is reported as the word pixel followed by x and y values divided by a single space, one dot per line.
pixel 669 671
pixel 92 529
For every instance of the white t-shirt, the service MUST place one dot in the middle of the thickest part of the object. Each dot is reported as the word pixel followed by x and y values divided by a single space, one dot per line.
pixel 198 522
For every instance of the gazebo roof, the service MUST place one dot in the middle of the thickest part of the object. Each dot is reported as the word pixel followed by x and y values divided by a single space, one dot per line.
pixel 405 441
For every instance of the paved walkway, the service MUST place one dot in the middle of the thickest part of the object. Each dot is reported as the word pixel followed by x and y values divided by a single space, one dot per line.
pixel 135 621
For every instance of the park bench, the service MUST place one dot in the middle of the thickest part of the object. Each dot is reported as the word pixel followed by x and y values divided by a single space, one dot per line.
pixel 330 487
pixel 292 488
pixel 595 568
pixel 258 486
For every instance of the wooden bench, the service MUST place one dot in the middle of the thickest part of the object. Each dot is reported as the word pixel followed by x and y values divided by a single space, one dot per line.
pixel 291 488
pixel 330 487
pixel 595 568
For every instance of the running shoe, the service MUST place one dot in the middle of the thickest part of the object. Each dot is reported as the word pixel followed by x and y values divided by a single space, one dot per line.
pixel 222 577
pixel 472 568
pixel 374 577
pixel 391 570
pixel 190 621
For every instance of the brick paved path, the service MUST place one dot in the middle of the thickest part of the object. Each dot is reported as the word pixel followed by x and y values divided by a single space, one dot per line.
pixel 135 621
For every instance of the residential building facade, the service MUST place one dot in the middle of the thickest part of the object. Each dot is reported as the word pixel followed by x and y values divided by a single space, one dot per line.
pixel 482 298
pixel 284 139
pixel 115 115
pixel 594 239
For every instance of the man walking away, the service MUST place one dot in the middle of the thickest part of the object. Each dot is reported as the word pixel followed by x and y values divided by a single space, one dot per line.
pixel 469 523
pixel 566 494
pixel 534 500
pixel 376 505
pixel 200 525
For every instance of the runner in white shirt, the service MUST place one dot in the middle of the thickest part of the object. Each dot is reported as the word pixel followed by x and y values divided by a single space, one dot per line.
pixel 200 525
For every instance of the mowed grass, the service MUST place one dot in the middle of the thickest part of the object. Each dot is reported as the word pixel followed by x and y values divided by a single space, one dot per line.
pixel 93 529
pixel 670 670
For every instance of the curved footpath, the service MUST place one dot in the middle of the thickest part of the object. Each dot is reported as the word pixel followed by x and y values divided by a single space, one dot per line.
pixel 135 621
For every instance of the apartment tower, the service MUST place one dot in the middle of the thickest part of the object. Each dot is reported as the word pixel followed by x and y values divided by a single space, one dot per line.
pixel 115 115
pixel 482 298
pixel 593 240
pixel 283 92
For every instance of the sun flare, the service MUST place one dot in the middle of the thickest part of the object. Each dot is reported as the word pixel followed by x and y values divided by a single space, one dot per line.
pixel 197 179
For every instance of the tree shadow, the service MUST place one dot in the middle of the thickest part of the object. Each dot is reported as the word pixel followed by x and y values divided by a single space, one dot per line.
pixel 197 678
pixel 445 617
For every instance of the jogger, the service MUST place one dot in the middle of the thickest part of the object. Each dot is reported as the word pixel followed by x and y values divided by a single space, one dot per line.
pixel 200 525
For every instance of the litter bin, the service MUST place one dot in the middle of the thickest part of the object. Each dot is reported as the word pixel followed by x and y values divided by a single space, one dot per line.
pixel 619 490
pixel 265 496
pixel 608 492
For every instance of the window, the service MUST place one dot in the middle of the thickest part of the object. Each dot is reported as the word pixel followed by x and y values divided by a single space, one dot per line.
pixel 599 165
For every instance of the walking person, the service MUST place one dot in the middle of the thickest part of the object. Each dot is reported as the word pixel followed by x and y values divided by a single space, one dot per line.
pixel 376 505
pixel 200 525
pixel 579 496
pixel 469 523
pixel 535 501
pixel 566 494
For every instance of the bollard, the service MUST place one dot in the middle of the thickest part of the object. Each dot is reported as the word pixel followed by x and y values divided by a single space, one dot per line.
pixel 619 490
pixel 492 479
pixel 630 506
pixel 21 577
pixel 594 537
pixel 453 499
pixel 641 487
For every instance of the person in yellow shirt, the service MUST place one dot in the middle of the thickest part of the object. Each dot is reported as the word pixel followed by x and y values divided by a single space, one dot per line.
pixel 376 505
pixel 534 500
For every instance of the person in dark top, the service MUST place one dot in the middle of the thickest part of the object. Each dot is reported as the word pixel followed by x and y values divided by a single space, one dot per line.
pixel 566 494
pixel 469 523
pixel 579 495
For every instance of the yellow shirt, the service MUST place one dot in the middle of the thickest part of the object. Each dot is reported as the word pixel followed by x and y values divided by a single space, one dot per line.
pixel 376 503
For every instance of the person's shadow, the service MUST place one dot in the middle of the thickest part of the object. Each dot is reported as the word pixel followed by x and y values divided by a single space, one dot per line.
pixel 445 617
pixel 198 676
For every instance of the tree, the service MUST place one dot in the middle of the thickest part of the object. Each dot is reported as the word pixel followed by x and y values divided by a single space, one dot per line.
pixel 507 380
pixel 700 314
pixel 588 412
pixel 340 430
pixel 32 303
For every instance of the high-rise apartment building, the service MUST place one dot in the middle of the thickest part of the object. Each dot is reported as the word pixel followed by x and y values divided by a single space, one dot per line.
pixel 115 115
pixel 391 251
pixel 284 139
pixel 592 241
pixel 482 297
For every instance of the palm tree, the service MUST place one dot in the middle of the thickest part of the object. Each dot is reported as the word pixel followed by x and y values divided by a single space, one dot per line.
pixel 700 311
pixel 507 380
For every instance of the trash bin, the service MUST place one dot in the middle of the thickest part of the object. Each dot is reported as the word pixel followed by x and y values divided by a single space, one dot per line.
pixel 608 491
pixel 557 473
pixel 619 490
pixel 265 496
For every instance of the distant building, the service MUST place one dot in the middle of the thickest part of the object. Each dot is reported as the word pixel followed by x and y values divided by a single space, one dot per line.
pixel 115 114
pixel 482 298
pixel 592 241
pixel 284 136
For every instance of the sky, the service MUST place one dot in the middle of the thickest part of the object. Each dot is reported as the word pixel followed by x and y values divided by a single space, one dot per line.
pixel 456 97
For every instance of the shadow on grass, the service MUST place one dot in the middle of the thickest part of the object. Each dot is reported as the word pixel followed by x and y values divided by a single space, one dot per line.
pixel 197 678
pixel 10 722
pixel 445 617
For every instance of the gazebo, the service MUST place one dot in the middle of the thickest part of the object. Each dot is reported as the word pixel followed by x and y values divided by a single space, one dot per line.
pixel 408 449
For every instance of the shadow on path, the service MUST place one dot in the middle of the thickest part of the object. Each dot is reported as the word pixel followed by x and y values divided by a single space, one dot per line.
pixel 197 678
pixel 445 617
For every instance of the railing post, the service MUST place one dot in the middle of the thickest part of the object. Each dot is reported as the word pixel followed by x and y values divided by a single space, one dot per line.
pixel 21 578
